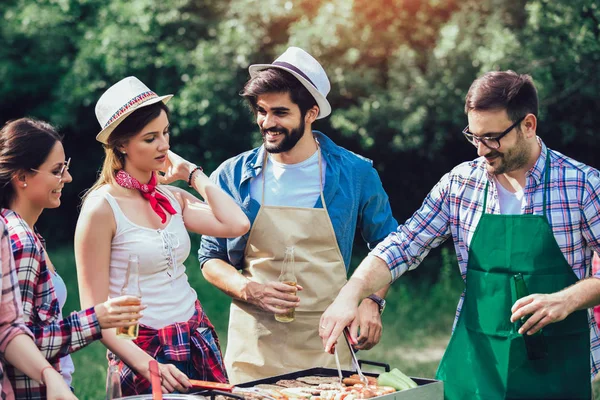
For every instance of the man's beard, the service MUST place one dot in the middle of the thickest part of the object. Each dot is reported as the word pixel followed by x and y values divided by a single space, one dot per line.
pixel 289 140
pixel 513 159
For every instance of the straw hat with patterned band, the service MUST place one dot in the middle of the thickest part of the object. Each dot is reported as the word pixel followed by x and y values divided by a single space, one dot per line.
pixel 307 70
pixel 120 100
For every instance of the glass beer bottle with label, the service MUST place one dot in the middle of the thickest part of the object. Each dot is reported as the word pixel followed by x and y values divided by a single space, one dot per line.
pixel 131 287
pixel 288 276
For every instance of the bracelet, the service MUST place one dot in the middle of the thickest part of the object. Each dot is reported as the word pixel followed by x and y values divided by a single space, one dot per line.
pixel 192 174
pixel 42 374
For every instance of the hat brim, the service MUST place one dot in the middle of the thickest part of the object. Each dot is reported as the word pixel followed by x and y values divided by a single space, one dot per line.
pixel 324 106
pixel 102 137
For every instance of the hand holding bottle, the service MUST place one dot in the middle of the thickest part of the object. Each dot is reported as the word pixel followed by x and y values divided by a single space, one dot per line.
pixel 119 312
pixel 274 297
pixel 535 343
pixel 131 289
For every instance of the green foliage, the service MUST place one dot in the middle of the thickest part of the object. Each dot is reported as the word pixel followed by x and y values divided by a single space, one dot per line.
pixel 399 70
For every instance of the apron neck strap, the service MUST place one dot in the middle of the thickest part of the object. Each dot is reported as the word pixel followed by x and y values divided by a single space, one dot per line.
pixel 546 179
pixel 265 162
pixel 544 192
pixel 485 194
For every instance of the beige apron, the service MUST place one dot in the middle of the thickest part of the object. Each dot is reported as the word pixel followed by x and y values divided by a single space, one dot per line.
pixel 257 345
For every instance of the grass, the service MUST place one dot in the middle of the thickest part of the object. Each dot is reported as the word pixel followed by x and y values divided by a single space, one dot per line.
pixel 417 321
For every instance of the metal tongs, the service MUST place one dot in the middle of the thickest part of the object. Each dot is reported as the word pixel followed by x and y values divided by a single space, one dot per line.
pixel 339 367
pixel 351 342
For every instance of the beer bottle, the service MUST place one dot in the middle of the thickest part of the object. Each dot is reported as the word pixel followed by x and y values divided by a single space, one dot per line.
pixel 288 276
pixel 113 382
pixel 535 344
pixel 131 287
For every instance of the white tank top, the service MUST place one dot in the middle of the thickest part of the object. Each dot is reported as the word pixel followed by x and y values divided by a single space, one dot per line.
pixel 162 252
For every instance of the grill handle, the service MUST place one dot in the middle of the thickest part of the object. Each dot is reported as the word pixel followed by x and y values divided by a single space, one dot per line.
pixel 213 393
pixel 375 363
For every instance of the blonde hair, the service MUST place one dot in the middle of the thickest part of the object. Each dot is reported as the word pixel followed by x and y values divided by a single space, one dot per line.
pixel 114 159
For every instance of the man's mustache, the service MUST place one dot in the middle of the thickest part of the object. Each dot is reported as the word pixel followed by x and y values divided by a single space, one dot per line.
pixel 274 130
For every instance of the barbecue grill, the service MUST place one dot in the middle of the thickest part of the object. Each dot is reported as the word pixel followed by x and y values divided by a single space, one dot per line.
pixel 428 389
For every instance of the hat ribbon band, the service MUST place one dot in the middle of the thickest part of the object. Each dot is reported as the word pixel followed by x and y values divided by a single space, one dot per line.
pixel 140 98
pixel 296 70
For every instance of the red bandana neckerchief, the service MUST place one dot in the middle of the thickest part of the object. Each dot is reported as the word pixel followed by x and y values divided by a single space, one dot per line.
pixel 148 190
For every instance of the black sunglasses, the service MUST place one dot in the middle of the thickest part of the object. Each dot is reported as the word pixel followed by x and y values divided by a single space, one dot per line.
pixel 490 142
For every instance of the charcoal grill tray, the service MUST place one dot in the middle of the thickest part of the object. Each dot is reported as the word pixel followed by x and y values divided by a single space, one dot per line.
pixel 428 389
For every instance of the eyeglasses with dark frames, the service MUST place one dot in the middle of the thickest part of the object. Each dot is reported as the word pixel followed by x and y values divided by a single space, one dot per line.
pixel 59 175
pixel 489 141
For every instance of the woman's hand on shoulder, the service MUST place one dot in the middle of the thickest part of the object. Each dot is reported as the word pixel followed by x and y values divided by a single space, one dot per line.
pixel 176 168
pixel 120 311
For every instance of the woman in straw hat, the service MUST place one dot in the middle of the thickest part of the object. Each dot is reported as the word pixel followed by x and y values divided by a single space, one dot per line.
pixel 33 172
pixel 128 212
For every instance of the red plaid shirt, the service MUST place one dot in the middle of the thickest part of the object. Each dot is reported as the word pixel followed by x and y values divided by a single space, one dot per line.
pixel 182 341
pixel 11 311
pixel 55 338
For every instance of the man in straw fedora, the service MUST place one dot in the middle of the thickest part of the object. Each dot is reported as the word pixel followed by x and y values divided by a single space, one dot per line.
pixel 299 189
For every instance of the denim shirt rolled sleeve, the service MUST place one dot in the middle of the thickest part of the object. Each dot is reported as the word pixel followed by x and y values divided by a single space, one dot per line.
pixel 353 194
pixel 228 177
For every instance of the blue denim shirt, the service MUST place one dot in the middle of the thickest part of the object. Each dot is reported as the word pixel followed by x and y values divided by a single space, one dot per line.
pixel 353 194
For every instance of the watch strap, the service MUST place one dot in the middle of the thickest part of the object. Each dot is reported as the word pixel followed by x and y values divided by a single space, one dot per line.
pixel 380 302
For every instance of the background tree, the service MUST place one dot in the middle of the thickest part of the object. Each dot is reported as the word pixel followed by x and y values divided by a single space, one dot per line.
pixel 399 70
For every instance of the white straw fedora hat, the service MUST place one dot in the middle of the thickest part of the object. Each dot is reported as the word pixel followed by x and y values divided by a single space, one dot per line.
pixel 307 70
pixel 120 100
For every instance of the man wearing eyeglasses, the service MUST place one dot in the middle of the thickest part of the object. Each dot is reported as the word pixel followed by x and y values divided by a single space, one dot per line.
pixel 520 209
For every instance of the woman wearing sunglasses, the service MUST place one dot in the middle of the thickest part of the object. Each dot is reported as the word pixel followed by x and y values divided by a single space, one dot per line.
pixel 128 212
pixel 33 172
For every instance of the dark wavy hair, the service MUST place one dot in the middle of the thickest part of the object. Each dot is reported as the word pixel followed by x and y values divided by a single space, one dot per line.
pixel 503 90
pixel 275 80
pixel 25 143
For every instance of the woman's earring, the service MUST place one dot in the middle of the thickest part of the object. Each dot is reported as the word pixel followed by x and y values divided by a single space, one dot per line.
pixel 24 185
pixel 124 152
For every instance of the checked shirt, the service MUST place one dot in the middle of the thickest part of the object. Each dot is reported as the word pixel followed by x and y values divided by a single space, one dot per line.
pixel 454 206
pixel 194 341
pixel 55 338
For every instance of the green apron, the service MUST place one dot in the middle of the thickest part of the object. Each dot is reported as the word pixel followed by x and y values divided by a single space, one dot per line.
pixel 486 357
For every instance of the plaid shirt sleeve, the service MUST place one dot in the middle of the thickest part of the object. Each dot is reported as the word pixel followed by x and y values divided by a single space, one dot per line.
pixel 11 314
pixel 591 211
pixel 55 338
pixel 429 227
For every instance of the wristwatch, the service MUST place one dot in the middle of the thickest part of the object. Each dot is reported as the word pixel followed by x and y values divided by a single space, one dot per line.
pixel 380 302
